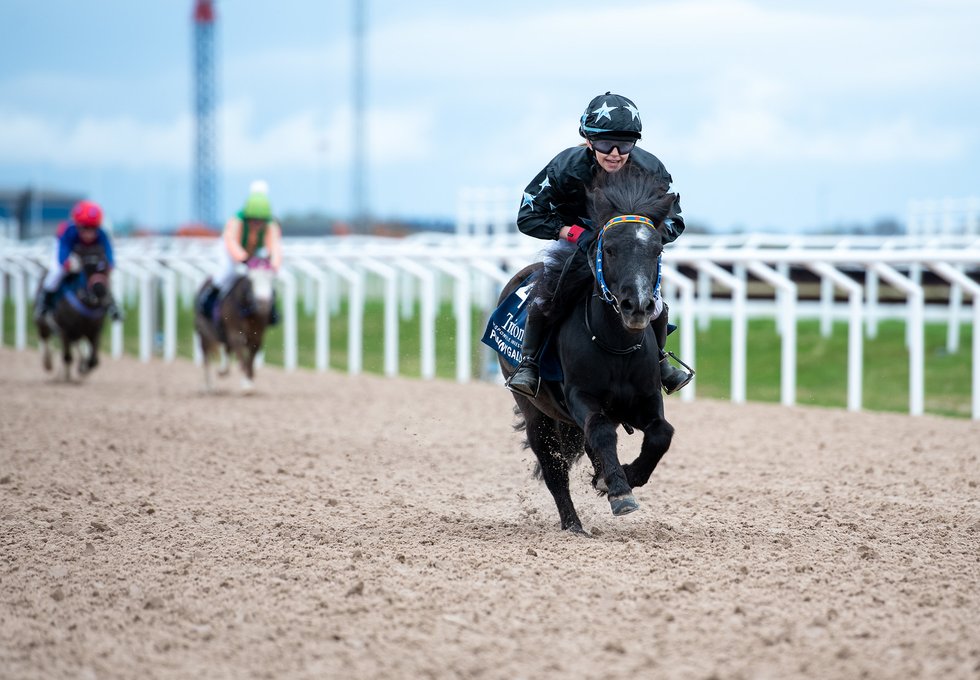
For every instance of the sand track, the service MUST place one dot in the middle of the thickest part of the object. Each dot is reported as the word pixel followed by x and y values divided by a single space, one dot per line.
pixel 373 528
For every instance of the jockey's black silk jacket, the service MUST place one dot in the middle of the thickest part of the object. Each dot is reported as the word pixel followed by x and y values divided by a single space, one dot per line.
pixel 556 196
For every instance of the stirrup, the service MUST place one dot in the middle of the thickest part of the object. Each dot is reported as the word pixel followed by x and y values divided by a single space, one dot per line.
pixel 526 364
pixel 690 372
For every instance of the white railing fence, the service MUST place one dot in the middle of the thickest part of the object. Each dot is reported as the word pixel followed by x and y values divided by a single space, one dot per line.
pixel 419 273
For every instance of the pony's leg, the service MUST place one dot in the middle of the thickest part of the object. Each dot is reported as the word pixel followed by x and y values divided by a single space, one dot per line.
pixel 248 384
pixel 65 359
pixel 543 438
pixel 46 355
pixel 93 359
pixel 223 363
pixel 600 433
pixel 656 440
pixel 207 349
pixel 245 358
pixel 84 351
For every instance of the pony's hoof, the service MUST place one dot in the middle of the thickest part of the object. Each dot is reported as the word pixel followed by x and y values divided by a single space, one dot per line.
pixel 248 388
pixel 623 505
pixel 47 363
pixel 577 529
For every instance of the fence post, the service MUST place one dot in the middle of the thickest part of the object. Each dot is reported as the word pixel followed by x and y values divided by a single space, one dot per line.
pixel 855 331
pixel 688 324
pixel 390 277
pixel 957 276
pixel 739 324
pixel 428 316
pixel 914 333
pixel 786 294
pixel 462 306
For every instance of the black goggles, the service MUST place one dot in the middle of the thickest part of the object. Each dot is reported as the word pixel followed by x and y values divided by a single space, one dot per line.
pixel 607 145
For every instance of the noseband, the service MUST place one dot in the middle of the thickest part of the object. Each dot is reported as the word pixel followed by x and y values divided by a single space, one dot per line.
pixel 607 295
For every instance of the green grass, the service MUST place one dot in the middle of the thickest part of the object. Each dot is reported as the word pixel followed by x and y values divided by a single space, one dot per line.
pixel 821 372
pixel 821 367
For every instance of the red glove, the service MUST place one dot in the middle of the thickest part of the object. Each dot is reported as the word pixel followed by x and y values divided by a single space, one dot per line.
pixel 574 232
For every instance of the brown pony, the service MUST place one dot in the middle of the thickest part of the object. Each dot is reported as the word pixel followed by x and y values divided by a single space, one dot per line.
pixel 237 322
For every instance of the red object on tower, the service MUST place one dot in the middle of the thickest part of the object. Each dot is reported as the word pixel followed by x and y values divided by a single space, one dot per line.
pixel 204 12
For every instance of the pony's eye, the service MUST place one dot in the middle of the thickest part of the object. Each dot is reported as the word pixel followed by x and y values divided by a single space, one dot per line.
pixel 610 252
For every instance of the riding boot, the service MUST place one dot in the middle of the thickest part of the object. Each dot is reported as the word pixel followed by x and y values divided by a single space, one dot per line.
pixel 113 310
pixel 44 304
pixel 671 377
pixel 206 300
pixel 526 379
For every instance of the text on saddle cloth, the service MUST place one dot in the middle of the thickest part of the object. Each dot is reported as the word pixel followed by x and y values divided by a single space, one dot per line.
pixel 505 331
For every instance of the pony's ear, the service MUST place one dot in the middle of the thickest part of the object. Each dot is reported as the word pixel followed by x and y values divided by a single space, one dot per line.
pixel 665 206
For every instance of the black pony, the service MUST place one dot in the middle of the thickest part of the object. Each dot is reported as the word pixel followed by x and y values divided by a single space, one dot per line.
pixel 236 322
pixel 79 312
pixel 607 346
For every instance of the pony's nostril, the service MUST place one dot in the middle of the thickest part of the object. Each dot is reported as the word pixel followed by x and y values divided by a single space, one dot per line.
pixel 627 306
pixel 650 307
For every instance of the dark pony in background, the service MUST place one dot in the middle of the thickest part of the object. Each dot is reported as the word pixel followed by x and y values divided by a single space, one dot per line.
pixel 607 346
pixel 79 313
pixel 236 324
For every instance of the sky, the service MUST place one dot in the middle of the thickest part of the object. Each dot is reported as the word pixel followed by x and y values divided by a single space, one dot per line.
pixel 771 115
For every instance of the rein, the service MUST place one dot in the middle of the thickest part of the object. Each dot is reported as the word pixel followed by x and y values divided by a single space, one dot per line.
pixel 603 346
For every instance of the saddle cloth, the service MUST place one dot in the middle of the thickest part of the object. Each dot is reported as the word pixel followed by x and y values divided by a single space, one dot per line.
pixel 505 331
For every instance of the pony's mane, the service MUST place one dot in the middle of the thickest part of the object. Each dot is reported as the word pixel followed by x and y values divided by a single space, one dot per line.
pixel 631 191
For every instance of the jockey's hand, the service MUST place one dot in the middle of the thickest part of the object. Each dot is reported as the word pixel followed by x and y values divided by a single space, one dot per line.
pixel 583 238
pixel 573 233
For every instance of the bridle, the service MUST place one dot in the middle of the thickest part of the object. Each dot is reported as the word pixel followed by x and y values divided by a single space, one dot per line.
pixel 606 294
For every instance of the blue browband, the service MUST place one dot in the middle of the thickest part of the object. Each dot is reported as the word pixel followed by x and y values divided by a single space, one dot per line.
pixel 621 219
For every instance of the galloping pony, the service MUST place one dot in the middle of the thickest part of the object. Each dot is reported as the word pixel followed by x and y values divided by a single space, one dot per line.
pixel 237 322
pixel 607 346
pixel 79 312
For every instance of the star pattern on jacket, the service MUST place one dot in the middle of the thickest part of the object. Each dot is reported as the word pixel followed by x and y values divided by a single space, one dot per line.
pixel 635 112
pixel 528 200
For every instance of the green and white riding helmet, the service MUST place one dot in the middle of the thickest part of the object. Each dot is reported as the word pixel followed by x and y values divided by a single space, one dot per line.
pixel 257 206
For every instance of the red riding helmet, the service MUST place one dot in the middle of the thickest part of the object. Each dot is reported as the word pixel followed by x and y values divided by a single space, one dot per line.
pixel 87 215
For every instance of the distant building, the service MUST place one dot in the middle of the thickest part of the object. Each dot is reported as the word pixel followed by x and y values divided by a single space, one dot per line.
pixel 946 217
pixel 31 213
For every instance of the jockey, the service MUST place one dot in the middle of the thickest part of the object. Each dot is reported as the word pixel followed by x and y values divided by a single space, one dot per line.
pixel 83 229
pixel 251 229
pixel 554 206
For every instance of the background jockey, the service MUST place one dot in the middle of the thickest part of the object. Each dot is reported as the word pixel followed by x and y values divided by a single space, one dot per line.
pixel 555 206
pixel 252 229
pixel 82 230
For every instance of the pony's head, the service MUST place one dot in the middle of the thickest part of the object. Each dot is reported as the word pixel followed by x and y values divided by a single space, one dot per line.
pixel 94 268
pixel 262 277
pixel 628 208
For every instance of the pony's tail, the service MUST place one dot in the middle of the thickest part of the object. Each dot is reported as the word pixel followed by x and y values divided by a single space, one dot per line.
pixel 520 425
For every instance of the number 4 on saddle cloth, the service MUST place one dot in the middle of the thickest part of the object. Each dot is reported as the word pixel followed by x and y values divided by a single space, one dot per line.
pixel 505 331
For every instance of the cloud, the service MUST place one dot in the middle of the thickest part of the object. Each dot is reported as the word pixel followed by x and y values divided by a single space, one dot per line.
pixel 121 141
pixel 297 140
